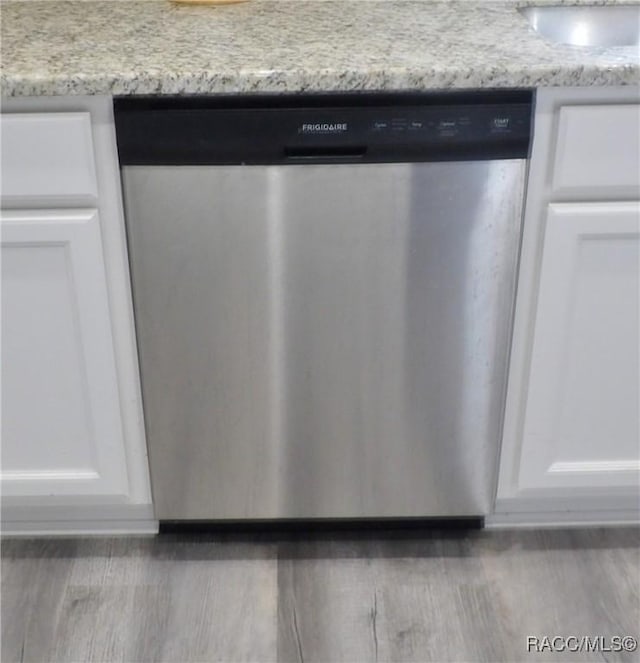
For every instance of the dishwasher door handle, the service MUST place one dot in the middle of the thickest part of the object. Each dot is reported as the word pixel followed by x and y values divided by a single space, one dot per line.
pixel 325 152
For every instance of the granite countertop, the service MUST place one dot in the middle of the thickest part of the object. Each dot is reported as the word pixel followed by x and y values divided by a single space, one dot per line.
pixel 156 47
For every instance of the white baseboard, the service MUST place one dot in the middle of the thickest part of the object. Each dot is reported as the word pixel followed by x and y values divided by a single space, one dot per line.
pixel 76 520
pixel 546 519
pixel 78 528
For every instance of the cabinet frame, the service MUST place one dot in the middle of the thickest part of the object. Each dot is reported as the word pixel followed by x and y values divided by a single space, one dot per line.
pixel 132 512
pixel 516 504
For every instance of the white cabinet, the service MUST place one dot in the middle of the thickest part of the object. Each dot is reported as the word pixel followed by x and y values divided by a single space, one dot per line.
pixel 581 420
pixel 571 443
pixel 48 158
pixel 61 429
pixel 73 451
pixel 596 152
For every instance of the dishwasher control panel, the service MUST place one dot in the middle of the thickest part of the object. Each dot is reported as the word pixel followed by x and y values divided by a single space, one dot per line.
pixel 365 128
pixel 435 124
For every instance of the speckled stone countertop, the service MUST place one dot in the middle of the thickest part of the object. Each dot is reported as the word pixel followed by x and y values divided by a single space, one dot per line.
pixel 153 46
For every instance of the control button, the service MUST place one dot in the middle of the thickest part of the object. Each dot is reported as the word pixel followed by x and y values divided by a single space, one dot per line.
pixel 501 124
pixel 447 127
pixel 416 125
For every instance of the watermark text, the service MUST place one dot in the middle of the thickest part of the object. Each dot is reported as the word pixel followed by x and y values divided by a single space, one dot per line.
pixel 581 643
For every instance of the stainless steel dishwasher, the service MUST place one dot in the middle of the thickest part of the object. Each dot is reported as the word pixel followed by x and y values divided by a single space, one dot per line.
pixel 323 291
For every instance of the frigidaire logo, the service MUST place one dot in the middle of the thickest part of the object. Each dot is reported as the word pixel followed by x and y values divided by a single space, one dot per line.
pixel 323 128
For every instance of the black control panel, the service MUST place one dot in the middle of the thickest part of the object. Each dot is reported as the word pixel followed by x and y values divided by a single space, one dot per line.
pixel 324 129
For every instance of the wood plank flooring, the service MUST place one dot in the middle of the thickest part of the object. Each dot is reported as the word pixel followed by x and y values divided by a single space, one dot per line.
pixel 344 597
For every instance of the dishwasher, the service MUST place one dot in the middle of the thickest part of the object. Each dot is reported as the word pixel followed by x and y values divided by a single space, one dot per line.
pixel 323 291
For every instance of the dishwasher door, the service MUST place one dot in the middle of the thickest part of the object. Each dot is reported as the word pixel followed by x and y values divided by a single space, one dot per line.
pixel 323 341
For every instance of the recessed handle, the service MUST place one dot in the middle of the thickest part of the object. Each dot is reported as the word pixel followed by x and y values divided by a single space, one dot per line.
pixel 328 152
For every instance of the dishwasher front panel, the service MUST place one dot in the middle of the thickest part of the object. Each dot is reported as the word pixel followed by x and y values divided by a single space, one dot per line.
pixel 323 341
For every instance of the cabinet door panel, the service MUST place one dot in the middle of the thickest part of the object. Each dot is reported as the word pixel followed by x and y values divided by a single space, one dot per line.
pixel 61 424
pixel 47 157
pixel 582 424
pixel 598 151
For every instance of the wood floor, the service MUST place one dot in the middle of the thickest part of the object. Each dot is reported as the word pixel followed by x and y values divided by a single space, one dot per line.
pixel 353 597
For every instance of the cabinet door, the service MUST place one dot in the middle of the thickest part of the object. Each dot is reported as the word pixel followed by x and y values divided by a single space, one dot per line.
pixel 47 157
pixel 581 425
pixel 61 424
pixel 597 152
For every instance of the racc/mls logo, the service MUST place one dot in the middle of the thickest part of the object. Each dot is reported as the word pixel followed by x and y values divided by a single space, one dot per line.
pixel 323 128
